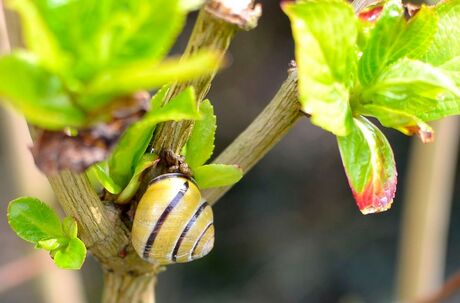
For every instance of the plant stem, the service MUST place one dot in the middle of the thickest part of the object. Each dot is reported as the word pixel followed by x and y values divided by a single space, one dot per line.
pixel 127 288
pixel 127 277
pixel 262 134
pixel 214 29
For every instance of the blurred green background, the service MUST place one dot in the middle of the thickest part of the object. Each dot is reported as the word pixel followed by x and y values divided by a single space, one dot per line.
pixel 288 232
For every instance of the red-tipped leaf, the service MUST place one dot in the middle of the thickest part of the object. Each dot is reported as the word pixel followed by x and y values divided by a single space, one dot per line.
pixel 370 166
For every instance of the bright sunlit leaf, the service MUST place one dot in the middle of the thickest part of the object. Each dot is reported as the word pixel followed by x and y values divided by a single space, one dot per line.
pixel 200 146
pixel 325 33
pixel 393 37
pixel 216 175
pixel 32 220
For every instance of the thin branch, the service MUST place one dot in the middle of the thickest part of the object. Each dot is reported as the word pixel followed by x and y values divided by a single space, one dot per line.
pixel 262 134
pixel 450 287
pixel 215 28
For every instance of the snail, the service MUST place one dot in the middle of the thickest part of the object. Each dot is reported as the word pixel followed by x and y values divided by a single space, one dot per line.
pixel 172 223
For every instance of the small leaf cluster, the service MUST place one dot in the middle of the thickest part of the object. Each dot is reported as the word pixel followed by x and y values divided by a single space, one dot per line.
pixel 81 55
pixel 402 72
pixel 37 223
pixel 122 173
pixel 199 149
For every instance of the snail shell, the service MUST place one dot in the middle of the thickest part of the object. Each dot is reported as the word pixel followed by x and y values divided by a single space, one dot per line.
pixel 172 223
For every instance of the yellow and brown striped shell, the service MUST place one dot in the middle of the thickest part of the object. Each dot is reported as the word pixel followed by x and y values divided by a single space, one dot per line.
pixel 172 223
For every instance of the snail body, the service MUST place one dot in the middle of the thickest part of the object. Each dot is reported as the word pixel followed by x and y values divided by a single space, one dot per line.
pixel 172 224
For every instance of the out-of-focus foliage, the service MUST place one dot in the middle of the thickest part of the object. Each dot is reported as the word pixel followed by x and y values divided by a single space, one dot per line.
pixel 82 54
pixel 403 72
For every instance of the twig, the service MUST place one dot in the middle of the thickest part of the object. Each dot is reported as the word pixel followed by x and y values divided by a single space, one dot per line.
pixel 262 134
pixel 450 287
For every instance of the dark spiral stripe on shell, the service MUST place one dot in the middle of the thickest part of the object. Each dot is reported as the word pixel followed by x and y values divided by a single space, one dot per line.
pixel 156 229
pixel 187 228
pixel 200 238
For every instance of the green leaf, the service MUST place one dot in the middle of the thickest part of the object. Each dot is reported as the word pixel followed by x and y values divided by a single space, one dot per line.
pixel 39 95
pixel 136 138
pixel 217 175
pixel 146 75
pixel 69 227
pixel 370 167
pixel 37 36
pixel 51 244
pixel 101 172
pixel 393 38
pixel 182 107
pixel 200 146
pixel 326 71
pixel 159 98
pixel 72 256
pixel 32 220
pixel 409 92
pixel 113 32
pixel 147 161
pixel 446 42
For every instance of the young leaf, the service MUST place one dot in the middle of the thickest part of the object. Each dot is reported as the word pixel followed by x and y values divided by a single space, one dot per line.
pixel 200 146
pixel 147 161
pixel 39 95
pixel 446 42
pixel 147 75
pixel 136 138
pixel 181 107
pixel 114 32
pixel 71 256
pixel 101 173
pixel 370 167
pixel 401 121
pixel 393 38
pixel 217 175
pixel 410 90
pixel 326 71
pixel 50 244
pixel 69 227
pixel 38 37
pixel 133 145
pixel 32 220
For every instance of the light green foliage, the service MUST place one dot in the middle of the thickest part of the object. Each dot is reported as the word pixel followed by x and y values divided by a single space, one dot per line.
pixel 147 161
pixel 71 72
pixel 71 256
pixel 199 149
pixel 446 42
pixel 326 34
pixel 408 73
pixel 36 222
pixel 216 175
pixel 145 74
pixel 410 88
pixel 37 93
pixel 200 146
pixel 134 142
pixel 393 38
pixel 121 173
